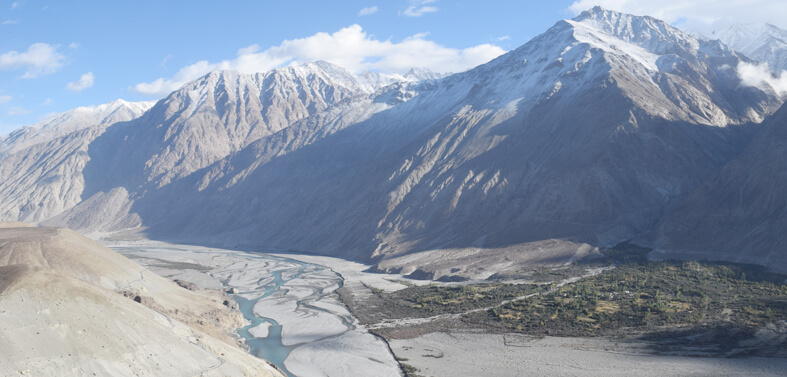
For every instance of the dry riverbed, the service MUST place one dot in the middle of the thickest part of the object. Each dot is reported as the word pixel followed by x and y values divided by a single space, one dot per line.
pixel 300 323
pixel 296 308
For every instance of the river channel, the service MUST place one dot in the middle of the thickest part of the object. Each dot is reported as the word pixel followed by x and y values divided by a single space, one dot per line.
pixel 271 347
pixel 296 320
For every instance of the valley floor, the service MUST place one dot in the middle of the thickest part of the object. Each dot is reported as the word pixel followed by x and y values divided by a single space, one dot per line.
pixel 298 322
pixel 465 354
pixel 320 337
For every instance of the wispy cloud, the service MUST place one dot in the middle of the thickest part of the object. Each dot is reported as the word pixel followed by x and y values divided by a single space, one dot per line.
pixel 418 8
pixel 46 102
pixel 84 82
pixel 350 47
pixel 73 45
pixel 164 61
pixel 503 38
pixel 17 111
pixel 367 11
pixel 4 99
pixel 760 75
pixel 39 59
pixel 16 4
pixel 10 22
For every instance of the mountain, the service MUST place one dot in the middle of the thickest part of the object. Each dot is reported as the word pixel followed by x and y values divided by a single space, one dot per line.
pixel 64 123
pixel 67 305
pixel 762 42
pixel 583 137
pixel 201 123
pixel 219 114
pixel 41 164
pixel 737 214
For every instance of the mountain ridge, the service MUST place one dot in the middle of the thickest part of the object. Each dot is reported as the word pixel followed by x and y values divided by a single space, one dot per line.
pixel 761 42
pixel 577 136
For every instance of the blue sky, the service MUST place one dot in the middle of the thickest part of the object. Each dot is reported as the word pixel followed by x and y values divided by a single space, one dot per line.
pixel 55 56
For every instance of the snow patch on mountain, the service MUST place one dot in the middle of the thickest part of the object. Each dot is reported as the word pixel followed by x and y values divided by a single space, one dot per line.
pixel 764 43
pixel 588 132
pixel 73 120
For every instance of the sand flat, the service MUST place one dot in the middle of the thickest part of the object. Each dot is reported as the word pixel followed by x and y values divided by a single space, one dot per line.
pixel 466 354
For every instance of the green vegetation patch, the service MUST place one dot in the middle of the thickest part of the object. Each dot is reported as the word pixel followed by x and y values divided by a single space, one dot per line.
pixel 645 296
pixel 429 300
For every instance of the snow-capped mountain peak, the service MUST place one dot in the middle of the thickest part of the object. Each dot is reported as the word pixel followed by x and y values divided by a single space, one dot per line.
pixel 420 74
pixel 73 120
pixel 647 32
pixel 105 114
pixel 762 42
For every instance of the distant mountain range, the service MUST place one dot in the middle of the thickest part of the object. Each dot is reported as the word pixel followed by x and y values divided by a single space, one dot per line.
pixel 761 42
pixel 605 128
pixel 59 125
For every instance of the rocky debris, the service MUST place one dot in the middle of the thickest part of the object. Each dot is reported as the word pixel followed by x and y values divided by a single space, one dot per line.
pixel 232 304
pixel 138 298
pixel 186 284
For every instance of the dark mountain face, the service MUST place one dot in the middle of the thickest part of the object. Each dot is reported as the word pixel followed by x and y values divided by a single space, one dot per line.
pixel 589 134
pixel 738 214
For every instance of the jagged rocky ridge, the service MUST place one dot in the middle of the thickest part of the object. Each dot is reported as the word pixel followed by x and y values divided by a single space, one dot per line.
pixel 589 133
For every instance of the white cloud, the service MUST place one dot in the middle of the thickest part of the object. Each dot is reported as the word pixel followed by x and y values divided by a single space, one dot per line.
pixel 73 45
pixel 10 22
pixel 40 59
pixel 16 4
pixel 349 47
pixel 760 75
pixel 46 102
pixel 367 11
pixel 701 15
pixel 418 8
pixel 4 99
pixel 17 111
pixel 503 38
pixel 83 83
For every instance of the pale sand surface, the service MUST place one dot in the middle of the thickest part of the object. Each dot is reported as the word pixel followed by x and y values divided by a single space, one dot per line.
pixel 260 331
pixel 472 355
pixel 52 324
pixel 66 309
pixel 300 323
pixel 355 277
pixel 328 357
